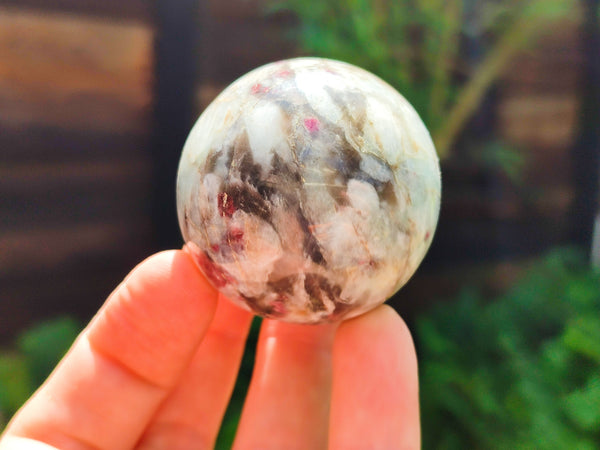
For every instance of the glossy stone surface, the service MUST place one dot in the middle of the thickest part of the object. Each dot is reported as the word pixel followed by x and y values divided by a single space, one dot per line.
pixel 308 191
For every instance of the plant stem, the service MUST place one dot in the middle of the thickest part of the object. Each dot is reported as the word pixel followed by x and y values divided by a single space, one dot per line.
pixel 471 95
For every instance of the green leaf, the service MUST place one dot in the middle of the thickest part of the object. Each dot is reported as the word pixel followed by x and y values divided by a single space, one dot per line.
pixel 45 344
pixel 511 161
pixel 583 336
pixel 15 383
pixel 519 371
pixel 232 414
pixel 583 405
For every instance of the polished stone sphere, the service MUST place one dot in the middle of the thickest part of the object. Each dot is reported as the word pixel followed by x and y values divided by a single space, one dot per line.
pixel 308 191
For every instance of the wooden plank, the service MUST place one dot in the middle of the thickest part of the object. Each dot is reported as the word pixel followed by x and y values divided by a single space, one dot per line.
pixel 74 72
pixel 541 204
pixel 547 121
pixel 547 167
pixel 551 71
pixel 552 65
pixel 137 10
pixel 530 76
pixel 28 301
pixel 51 250
pixel 443 284
pixel 30 178
pixel 475 240
pixel 238 46
pixel 205 93
pixel 238 9
pixel 72 112
pixel 36 144
pixel 472 193
pixel 63 194
pixel 77 291
pixel 64 208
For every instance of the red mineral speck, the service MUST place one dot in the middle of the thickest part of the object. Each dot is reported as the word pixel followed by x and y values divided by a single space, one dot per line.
pixel 258 89
pixel 285 73
pixel 279 308
pixel 235 234
pixel 235 239
pixel 225 204
pixel 427 235
pixel 217 276
pixel 311 124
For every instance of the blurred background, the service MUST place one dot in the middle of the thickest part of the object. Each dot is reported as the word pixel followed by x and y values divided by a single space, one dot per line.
pixel 97 98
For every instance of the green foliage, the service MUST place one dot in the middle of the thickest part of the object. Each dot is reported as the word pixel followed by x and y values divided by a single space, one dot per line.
pixel 234 410
pixel 415 45
pixel 401 41
pixel 510 160
pixel 522 371
pixel 25 367
pixel 15 384
pixel 45 344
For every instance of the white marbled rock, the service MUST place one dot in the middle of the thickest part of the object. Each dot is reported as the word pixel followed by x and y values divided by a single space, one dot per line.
pixel 308 191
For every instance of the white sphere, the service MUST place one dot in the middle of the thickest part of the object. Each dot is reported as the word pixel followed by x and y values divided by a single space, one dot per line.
pixel 308 191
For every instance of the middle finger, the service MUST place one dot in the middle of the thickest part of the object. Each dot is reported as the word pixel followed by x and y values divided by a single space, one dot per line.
pixel 288 400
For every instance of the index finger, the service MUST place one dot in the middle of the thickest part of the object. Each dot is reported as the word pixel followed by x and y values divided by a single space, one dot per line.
pixel 126 361
pixel 375 394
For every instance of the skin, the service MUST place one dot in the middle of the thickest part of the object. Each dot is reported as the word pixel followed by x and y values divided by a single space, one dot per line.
pixel 156 366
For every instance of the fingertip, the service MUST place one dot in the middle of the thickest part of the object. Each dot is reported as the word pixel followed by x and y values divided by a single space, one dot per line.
pixel 174 266
pixel 383 336
pixel 382 323
pixel 375 398
pixel 382 315
pixel 158 313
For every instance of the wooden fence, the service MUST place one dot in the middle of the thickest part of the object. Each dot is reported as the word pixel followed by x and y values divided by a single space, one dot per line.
pixel 96 98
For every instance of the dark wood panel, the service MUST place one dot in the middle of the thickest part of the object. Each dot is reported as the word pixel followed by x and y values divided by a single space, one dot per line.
pixel 238 9
pixel 78 290
pixel 548 121
pixel 548 73
pixel 74 72
pixel 51 145
pixel 548 167
pixel 31 178
pixel 52 250
pixel 81 111
pixel 476 240
pixel 64 208
pixel 142 10
pixel 552 65
pixel 236 46
pixel 54 207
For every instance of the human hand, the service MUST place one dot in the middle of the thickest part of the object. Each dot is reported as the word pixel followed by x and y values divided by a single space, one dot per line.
pixel 156 366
